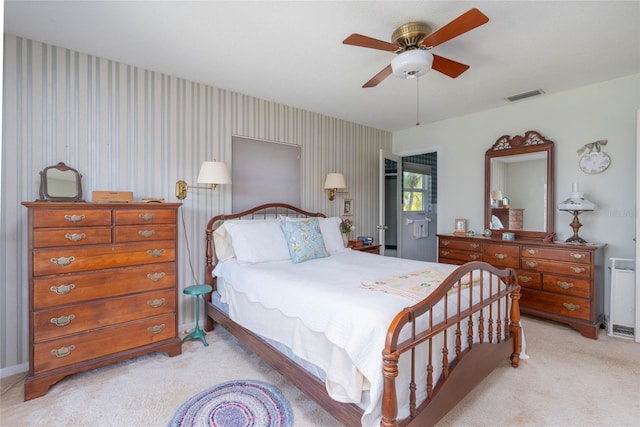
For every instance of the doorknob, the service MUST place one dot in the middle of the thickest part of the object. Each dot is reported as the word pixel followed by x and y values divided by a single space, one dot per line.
pixel 382 227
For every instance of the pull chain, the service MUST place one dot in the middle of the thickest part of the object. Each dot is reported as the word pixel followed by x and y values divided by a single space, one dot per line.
pixel 417 101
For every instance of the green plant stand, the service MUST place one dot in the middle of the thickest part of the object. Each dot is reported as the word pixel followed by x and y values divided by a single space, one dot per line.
pixel 197 333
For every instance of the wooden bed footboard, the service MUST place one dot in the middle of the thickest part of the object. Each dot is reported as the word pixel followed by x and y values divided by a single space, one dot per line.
pixel 485 331
pixel 485 328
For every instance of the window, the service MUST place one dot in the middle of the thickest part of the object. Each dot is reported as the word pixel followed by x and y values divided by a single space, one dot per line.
pixel 415 192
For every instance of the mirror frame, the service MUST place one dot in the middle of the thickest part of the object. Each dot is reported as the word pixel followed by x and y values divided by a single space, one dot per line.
pixel 44 187
pixel 531 142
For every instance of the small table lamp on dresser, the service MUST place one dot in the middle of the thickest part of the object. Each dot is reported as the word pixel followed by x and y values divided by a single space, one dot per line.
pixel 576 204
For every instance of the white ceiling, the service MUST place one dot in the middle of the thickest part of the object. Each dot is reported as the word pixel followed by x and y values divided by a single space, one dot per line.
pixel 292 52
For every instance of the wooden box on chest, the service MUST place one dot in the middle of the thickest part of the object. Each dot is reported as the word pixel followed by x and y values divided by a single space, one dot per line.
pixel 102 286
pixel 561 282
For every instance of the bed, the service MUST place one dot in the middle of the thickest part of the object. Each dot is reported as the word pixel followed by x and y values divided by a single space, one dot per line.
pixel 374 340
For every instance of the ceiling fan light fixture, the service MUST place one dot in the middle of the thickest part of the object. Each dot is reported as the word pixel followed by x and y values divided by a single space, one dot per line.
pixel 412 63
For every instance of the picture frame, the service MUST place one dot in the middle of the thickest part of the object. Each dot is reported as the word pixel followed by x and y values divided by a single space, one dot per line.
pixel 460 226
pixel 347 207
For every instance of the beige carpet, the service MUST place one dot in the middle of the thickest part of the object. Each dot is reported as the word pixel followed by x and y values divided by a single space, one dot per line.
pixel 568 381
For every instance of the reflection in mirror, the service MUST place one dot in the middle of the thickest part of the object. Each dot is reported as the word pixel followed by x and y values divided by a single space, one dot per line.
pixel 519 192
pixel 60 183
pixel 519 185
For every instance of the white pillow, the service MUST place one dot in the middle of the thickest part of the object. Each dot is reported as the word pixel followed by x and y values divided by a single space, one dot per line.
pixel 330 229
pixel 222 244
pixel 258 241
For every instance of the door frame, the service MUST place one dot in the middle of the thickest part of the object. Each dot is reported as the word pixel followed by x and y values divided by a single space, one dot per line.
pixel 382 205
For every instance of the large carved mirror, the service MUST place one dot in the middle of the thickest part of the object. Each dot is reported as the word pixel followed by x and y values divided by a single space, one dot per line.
pixel 60 183
pixel 518 186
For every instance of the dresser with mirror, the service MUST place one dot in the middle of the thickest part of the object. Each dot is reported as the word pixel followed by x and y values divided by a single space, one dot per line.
pixel 560 281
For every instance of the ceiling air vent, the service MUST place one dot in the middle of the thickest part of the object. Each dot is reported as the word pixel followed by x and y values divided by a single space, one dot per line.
pixel 524 95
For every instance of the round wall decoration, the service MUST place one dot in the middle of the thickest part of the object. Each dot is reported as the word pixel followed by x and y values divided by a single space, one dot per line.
pixel 594 160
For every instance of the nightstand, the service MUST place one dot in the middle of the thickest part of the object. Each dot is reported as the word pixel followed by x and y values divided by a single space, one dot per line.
pixel 357 245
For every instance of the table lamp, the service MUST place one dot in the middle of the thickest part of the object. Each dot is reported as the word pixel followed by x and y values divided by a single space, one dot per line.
pixel 576 204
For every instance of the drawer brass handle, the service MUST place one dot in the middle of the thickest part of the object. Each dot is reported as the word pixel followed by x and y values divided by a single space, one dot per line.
pixel 146 233
pixel 532 251
pixel 474 245
pixel 571 307
pixel 531 264
pixel 63 261
pixel 75 237
pixel 62 320
pixel 501 256
pixel 62 289
pixel 155 253
pixel 155 303
pixel 578 269
pixel 156 329
pixel 156 276
pixel 525 279
pixel 445 253
pixel 577 256
pixel 146 216
pixel 74 218
pixel 445 243
pixel 474 256
pixel 565 285
pixel 63 351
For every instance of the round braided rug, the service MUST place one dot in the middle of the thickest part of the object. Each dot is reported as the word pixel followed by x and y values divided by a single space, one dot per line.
pixel 235 404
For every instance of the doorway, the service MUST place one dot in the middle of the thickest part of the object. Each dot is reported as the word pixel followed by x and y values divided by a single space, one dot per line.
pixel 418 221
pixel 408 205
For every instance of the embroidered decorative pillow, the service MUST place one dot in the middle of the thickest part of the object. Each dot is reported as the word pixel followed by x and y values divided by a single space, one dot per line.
pixel 304 239
pixel 330 230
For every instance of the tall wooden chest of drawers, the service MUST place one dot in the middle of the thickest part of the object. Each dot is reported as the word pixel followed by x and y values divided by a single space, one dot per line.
pixel 102 286
pixel 561 282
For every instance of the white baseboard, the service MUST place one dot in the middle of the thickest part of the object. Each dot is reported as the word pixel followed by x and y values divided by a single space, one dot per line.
pixel 13 370
pixel 24 367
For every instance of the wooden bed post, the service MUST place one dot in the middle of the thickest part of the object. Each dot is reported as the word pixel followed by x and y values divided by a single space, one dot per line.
pixel 208 276
pixel 515 328
pixel 389 399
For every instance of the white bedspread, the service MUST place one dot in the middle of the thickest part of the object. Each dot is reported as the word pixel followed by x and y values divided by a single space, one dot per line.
pixel 325 296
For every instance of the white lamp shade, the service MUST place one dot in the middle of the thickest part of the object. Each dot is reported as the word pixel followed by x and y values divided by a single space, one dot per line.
pixel 577 202
pixel 335 180
pixel 496 195
pixel 412 63
pixel 214 173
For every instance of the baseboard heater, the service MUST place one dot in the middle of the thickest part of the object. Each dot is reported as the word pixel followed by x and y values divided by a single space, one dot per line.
pixel 622 313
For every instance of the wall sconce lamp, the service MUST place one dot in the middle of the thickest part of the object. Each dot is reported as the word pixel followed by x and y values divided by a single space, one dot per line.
pixel 576 204
pixel 212 173
pixel 333 183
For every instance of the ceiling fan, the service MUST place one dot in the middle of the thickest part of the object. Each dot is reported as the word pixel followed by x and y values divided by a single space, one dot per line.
pixel 412 42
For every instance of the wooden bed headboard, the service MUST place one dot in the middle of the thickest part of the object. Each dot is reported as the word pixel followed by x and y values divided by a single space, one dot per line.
pixel 266 211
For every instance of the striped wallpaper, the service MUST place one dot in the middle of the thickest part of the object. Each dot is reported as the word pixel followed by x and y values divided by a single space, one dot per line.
pixel 130 129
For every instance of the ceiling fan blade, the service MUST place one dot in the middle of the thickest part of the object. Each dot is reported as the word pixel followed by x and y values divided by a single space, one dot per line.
pixel 463 23
pixel 448 67
pixel 386 72
pixel 365 41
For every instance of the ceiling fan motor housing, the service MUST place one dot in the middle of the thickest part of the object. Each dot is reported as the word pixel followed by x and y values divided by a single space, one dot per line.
pixel 409 36
pixel 412 60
